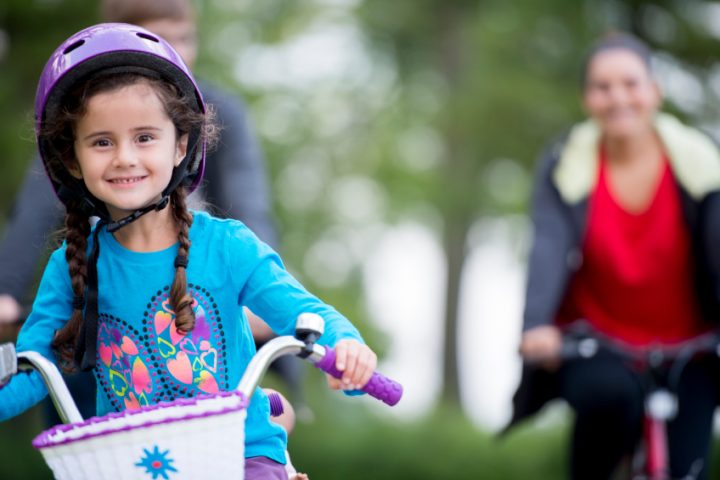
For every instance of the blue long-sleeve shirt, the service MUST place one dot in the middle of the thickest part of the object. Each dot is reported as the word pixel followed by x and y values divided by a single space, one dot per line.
pixel 141 358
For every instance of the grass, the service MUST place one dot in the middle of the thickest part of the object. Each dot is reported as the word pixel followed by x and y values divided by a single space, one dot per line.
pixel 443 445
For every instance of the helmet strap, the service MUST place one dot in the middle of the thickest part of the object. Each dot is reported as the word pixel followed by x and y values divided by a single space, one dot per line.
pixel 86 346
pixel 155 207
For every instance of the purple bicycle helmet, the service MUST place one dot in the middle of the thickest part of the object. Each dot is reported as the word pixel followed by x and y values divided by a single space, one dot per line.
pixel 111 48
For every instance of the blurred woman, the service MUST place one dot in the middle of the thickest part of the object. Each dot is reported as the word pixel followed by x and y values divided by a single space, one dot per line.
pixel 626 218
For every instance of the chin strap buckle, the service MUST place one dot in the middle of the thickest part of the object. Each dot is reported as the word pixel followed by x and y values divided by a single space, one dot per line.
pixel 162 203
pixel 113 226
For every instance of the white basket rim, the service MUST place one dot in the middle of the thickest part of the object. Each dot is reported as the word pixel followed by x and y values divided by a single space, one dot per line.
pixel 114 425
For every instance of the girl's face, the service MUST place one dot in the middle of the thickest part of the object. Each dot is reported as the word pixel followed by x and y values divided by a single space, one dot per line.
pixel 620 94
pixel 126 148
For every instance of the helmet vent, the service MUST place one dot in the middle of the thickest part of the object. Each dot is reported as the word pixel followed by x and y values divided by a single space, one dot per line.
pixel 147 37
pixel 72 47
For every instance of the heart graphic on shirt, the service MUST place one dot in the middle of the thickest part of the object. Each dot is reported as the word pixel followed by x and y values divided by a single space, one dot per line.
pixel 146 360
pixel 118 382
pixel 180 368
pixel 128 346
pixel 166 348
pixel 187 346
pixel 105 354
pixel 162 320
pixel 131 402
pixel 116 350
pixel 140 377
pixel 197 365
pixel 206 382
pixel 175 336
pixel 209 359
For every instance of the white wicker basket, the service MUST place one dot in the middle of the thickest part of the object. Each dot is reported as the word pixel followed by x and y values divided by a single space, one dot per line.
pixel 198 438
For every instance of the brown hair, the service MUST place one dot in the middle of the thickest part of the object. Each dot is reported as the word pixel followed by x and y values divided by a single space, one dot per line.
pixel 141 11
pixel 617 41
pixel 77 230
pixel 60 133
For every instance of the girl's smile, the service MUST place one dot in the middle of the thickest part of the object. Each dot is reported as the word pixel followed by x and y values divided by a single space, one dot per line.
pixel 120 181
pixel 126 148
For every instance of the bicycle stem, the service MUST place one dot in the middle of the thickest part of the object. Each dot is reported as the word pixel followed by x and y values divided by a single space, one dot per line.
pixel 273 349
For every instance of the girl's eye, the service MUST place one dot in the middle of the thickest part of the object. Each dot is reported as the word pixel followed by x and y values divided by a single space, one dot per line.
pixel 102 142
pixel 144 138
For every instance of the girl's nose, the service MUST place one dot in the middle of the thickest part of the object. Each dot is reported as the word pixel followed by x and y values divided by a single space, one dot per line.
pixel 125 156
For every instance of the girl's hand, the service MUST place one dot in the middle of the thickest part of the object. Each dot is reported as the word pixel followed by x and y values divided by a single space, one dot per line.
pixel 356 361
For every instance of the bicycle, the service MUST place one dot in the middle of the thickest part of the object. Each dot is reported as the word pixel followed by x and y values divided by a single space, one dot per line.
pixel 660 368
pixel 152 442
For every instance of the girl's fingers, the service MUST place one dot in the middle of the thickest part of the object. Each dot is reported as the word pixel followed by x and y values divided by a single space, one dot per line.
pixel 333 382
pixel 351 359
pixel 367 361
pixel 345 362
pixel 357 363
pixel 341 356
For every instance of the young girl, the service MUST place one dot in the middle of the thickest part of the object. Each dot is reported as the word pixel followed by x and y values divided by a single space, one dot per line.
pixel 152 298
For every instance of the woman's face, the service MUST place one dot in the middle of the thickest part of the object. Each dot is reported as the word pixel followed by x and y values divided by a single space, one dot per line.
pixel 620 94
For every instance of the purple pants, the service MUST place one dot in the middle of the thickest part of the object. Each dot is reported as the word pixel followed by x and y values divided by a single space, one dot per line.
pixel 262 468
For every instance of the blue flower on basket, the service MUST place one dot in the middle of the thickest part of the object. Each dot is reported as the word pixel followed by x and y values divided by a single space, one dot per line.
pixel 157 463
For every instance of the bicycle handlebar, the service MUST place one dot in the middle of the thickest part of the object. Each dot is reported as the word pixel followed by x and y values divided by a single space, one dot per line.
pixel 59 393
pixel 379 386
pixel 587 343
pixel 12 362
pixel 8 363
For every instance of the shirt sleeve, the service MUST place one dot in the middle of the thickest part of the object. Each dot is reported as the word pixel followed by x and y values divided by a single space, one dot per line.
pixel 553 238
pixel 272 293
pixel 51 310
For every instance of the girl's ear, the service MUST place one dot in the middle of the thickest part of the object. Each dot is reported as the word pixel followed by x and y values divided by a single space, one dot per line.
pixel 181 149
pixel 74 170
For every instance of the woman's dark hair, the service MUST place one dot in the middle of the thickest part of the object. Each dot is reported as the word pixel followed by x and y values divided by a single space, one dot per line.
pixel 617 41
pixel 61 132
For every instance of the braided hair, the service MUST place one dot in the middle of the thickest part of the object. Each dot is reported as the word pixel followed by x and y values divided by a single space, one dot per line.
pixel 77 230
pixel 180 299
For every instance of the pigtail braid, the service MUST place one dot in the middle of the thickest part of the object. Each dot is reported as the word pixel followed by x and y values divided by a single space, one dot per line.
pixel 77 225
pixel 180 299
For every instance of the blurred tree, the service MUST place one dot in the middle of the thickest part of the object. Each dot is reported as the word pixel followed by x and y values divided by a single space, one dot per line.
pixel 504 79
pixel 29 31
pixel 499 75
pixel 374 111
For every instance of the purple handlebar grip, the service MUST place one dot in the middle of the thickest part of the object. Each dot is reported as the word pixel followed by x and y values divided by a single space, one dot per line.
pixel 379 386
pixel 276 406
